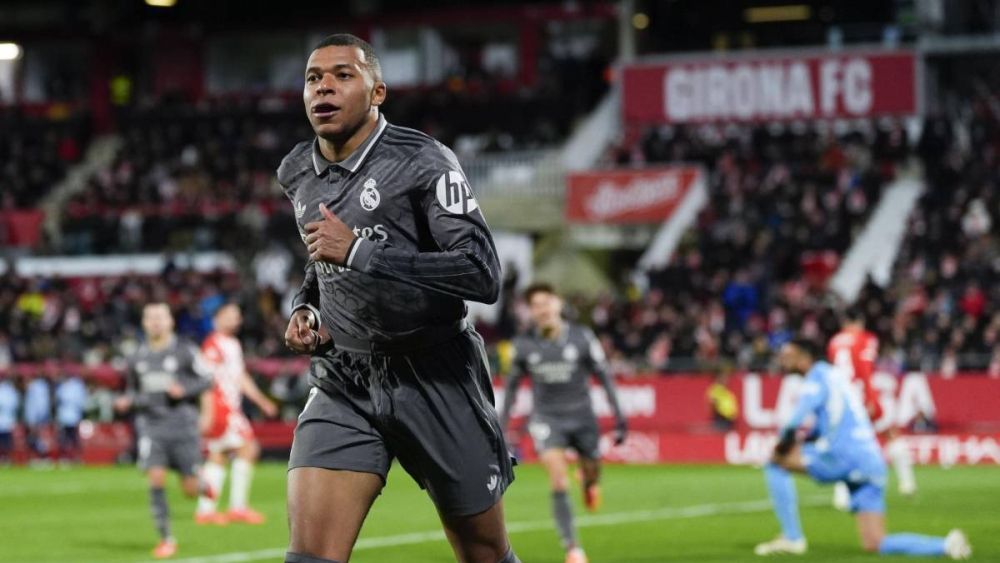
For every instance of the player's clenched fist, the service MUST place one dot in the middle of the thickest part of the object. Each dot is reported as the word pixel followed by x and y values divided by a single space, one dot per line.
pixel 329 240
pixel 300 336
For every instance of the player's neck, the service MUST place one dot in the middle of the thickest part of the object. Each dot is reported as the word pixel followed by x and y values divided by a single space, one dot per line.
pixel 336 150
pixel 157 344
pixel 553 331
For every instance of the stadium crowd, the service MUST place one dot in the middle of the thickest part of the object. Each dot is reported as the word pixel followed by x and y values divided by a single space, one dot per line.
pixel 36 151
pixel 201 175
pixel 750 272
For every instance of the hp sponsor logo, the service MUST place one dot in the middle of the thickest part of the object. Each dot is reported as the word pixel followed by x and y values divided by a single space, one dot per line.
pixel 454 193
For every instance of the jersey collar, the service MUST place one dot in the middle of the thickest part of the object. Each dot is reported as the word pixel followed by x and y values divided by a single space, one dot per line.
pixel 352 162
pixel 563 334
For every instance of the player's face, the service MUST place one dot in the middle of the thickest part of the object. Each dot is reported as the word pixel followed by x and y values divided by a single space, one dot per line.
pixel 157 321
pixel 340 91
pixel 790 359
pixel 229 319
pixel 545 309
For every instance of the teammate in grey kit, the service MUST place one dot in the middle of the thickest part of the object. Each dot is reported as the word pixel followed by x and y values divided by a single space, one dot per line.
pixel 164 384
pixel 560 358
pixel 396 244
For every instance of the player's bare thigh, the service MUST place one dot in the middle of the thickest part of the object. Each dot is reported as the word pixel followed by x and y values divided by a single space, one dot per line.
pixel 556 465
pixel 326 509
pixel 480 538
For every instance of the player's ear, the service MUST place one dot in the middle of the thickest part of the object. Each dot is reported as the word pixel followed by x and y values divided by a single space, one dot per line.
pixel 378 93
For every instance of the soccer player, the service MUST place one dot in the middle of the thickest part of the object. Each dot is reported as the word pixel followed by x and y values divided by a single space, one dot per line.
pixel 560 358
pixel 396 243
pixel 71 401
pixel 854 350
pixel 840 447
pixel 227 428
pixel 164 383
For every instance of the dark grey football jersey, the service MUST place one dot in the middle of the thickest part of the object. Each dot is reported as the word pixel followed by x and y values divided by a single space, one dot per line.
pixel 152 372
pixel 560 370
pixel 423 246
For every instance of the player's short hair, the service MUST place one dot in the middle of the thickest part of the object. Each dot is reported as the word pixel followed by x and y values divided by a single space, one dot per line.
pixel 151 304
pixel 348 40
pixel 538 287
pixel 808 346
pixel 853 314
pixel 222 307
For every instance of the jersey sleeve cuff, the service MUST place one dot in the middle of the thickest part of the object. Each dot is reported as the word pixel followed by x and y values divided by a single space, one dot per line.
pixel 360 255
pixel 315 312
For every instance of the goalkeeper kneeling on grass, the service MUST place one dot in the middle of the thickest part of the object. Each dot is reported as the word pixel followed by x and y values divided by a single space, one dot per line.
pixel 841 447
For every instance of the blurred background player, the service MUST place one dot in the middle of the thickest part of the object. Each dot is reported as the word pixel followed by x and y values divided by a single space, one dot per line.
pixel 560 357
pixel 38 417
pixel 71 402
pixel 841 447
pixel 854 350
pixel 227 429
pixel 10 402
pixel 164 383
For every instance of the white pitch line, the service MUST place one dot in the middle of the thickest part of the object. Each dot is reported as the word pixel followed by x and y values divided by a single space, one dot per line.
pixel 588 521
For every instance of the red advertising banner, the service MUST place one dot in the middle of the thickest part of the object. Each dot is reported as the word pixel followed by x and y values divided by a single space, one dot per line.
pixel 763 87
pixel 671 421
pixel 628 196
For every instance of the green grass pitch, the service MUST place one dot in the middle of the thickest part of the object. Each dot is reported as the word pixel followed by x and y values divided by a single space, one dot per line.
pixel 650 514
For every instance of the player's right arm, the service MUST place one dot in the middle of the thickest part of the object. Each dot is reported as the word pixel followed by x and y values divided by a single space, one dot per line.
pixel 131 398
pixel 302 335
pixel 812 394
pixel 518 371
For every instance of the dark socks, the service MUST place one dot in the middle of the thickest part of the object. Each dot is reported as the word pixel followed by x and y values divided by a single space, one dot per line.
pixel 161 513
pixel 563 514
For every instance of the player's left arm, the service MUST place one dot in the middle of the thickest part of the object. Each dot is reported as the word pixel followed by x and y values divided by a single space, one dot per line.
pixel 598 365
pixel 866 359
pixel 465 263
pixel 253 392
pixel 194 380
pixel 518 371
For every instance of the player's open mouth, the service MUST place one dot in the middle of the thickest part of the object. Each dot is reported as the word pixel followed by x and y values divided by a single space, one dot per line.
pixel 324 111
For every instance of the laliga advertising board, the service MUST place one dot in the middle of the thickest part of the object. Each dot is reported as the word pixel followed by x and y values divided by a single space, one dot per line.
pixel 765 87
pixel 670 420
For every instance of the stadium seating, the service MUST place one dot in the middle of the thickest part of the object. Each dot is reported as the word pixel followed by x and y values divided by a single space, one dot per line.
pixel 35 152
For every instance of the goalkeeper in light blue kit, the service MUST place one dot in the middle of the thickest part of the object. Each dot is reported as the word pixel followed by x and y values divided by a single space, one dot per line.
pixel 840 447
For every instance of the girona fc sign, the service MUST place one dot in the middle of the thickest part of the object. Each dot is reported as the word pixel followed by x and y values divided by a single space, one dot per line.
pixel 765 86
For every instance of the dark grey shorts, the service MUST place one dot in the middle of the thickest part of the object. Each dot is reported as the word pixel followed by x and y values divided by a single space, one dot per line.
pixel 432 409
pixel 181 453
pixel 579 432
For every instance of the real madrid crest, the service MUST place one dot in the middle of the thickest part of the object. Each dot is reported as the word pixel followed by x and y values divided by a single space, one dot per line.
pixel 370 197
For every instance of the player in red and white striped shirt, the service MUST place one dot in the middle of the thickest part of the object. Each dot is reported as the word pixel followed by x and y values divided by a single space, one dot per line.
pixel 855 350
pixel 226 428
